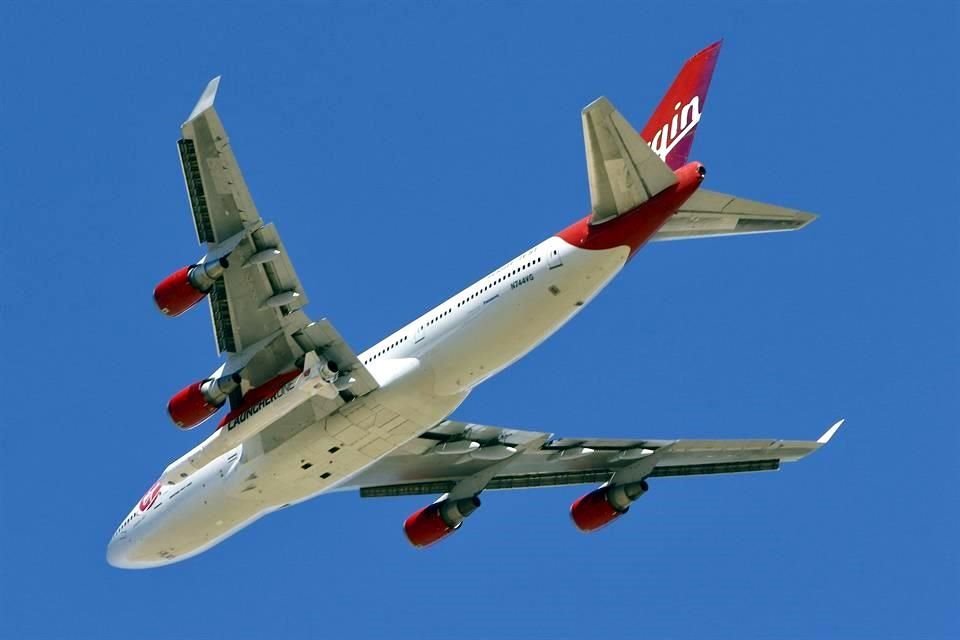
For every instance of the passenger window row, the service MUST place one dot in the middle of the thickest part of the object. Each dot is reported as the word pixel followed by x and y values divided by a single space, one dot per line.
pixel 385 349
pixel 127 521
pixel 473 295
pixel 512 273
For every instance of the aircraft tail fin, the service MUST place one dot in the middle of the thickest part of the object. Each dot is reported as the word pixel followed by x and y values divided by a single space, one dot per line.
pixel 672 126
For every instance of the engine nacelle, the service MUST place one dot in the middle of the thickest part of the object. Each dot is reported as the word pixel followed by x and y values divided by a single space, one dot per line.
pixel 195 403
pixel 187 286
pixel 436 521
pixel 329 371
pixel 604 505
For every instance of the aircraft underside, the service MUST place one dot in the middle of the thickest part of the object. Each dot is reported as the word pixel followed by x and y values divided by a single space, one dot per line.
pixel 269 471
pixel 308 416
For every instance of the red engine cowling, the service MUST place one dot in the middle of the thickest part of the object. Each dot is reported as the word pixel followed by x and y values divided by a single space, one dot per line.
pixel 195 403
pixel 604 505
pixel 186 287
pixel 438 520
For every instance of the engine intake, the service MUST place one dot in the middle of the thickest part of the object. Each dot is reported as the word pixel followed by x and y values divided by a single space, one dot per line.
pixel 186 287
pixel 438 520
pixel 604 505
pixel 195 403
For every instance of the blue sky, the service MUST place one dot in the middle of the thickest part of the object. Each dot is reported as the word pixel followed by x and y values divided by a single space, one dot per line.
pixel 406 150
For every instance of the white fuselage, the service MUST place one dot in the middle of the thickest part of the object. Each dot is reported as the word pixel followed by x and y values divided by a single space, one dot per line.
pixel 425 370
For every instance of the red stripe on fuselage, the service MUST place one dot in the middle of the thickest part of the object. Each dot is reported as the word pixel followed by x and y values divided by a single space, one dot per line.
pixel 634 228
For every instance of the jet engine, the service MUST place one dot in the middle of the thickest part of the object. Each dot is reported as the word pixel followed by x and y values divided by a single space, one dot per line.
pixel 602 506
pixel 195 403
pixel 187 286
pixel 436 521
pixel 328 371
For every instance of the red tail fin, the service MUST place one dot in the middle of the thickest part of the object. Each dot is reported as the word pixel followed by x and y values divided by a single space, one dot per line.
pixel 670 130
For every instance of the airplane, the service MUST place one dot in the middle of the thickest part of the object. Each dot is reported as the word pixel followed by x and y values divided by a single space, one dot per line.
pixel 308 416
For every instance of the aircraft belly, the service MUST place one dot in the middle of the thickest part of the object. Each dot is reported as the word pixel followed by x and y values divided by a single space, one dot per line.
pixel 337 447
pixel 277 470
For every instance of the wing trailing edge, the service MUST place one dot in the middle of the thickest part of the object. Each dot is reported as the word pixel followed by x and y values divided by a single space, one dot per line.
pixel 422 467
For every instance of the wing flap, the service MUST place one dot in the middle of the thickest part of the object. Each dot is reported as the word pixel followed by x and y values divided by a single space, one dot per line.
pixel 561 478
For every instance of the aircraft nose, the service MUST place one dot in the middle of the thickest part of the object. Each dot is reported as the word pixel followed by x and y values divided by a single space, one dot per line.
pixel 118 554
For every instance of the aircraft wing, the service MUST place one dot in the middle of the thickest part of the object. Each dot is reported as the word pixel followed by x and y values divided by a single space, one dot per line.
pixel 709 213
pixel 443 459
pixel 257 305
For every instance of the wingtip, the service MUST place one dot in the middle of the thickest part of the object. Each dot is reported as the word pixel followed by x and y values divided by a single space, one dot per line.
pixel 802 219
pixel 207 98
pixel 825 438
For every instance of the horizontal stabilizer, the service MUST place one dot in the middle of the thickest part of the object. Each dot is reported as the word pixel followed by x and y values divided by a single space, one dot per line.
pixel 708 213
pixel 623 171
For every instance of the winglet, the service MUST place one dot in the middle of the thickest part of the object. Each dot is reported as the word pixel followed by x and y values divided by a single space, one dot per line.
pixel 825 438
pixel 206 99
